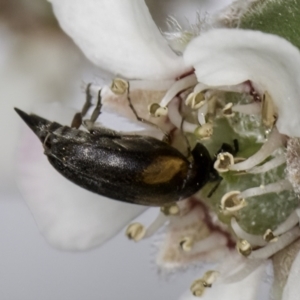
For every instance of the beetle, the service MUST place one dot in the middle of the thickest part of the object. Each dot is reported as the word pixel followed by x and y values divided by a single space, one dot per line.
pixel 131 168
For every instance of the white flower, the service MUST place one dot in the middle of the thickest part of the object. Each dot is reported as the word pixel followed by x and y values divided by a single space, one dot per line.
pixel 230 57
pixel 264 70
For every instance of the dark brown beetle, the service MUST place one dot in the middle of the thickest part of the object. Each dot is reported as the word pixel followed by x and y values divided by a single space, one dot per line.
pixel 131 168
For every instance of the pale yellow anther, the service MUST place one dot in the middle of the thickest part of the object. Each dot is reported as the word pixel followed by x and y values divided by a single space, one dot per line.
pixel 231 202
pixel 205 131
pixel 268 111
pixel 244 247
pixel 119 86
pixel 198 287
pixel 195 100
pixel 187 244
pixel 223 162
pixel 227 110
pixel 156 110
pixel 210 277
pixel 170 209
pixel 135 231
pixel 269 236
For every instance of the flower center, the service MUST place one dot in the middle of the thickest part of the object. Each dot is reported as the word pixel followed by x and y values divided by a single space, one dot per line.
pixel 254 198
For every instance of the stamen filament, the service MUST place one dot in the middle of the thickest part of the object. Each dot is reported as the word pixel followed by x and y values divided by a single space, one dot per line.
pixel 274 141
pixel 160 220
pixel 272 164
pixel 280 244
pixel 200 87
pixel 254 240
pixel 248 267
pixel 208 244
pixel 178 86
pixel 247 109
pixel 202 111
pixel 288 224
pixel 275 187
pixel 176 118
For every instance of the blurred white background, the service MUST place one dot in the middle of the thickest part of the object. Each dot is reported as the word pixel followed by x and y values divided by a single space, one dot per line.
pixel 39 64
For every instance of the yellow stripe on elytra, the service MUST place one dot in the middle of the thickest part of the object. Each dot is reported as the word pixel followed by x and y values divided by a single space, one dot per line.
pixel 163 169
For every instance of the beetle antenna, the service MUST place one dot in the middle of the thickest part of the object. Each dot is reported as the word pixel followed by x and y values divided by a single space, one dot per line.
pixel 77 119
pixel 166 135
pixel 236 146
pixel 212 191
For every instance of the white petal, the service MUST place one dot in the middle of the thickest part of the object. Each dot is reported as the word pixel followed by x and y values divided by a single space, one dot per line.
pixel 232 56
pixel 24 81
pixel 119 36
pixel 246 289
pixel 292 288
pixel 208 246
pixel 70 217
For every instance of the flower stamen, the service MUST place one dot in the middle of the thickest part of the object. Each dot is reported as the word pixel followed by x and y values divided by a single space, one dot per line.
pixel 254 240
pixel 176 118
pixel 156 110
pixel 204 132
pixel 188 244
pixel 253 108
pixel 269 236
pixel 195 100
pixel 232 202
pixel 223 162
pixel 272 164
pixel 178 86
pixel 244 247
pixel 288 224
pixel 274 141
pixel 227 110
pixel 272 248
pixel 170 209
pixel 244 271
pixel 198 286
pixel 268 112
pixel 119 86
pixel 137 231
pixel 202 112
pixel 275 187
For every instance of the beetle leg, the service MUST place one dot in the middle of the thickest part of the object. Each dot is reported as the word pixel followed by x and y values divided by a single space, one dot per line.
pixel 97 110
pixel 167 137
pixel 228 148
pixel 236 146
pixel 89 124
pixel 77 120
